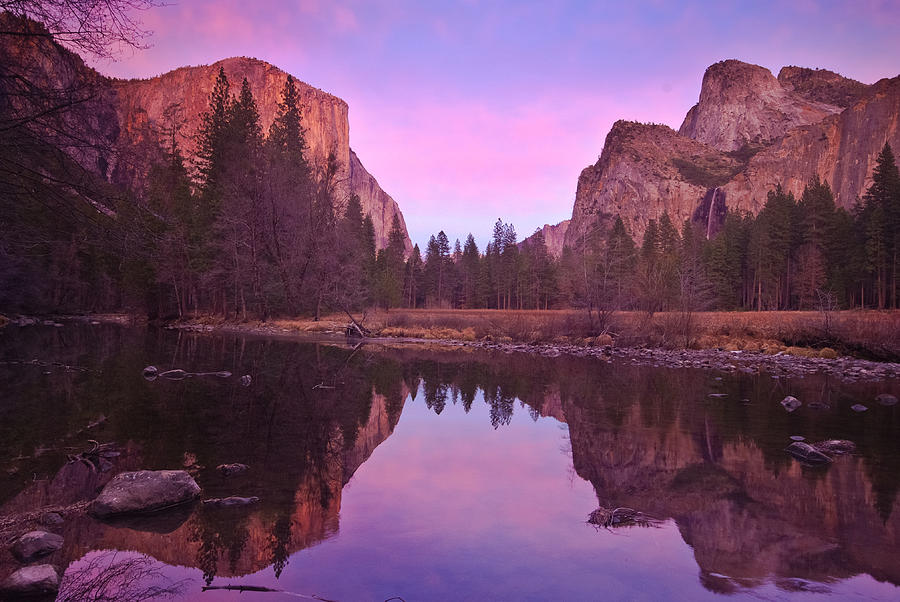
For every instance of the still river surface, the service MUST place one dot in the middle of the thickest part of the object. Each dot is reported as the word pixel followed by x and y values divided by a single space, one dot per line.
pixel 433 473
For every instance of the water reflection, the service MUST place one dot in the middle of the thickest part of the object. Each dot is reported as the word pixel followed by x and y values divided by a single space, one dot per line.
pixel 645 438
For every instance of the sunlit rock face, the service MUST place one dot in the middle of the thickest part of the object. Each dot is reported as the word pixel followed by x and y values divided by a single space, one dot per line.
pixel 749 132
pixel 126 122
pixel 554 237
pixel 745 104
pixel 144 107
pixel 641 175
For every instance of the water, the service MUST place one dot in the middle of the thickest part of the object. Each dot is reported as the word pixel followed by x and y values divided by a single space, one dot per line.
pixel 432 473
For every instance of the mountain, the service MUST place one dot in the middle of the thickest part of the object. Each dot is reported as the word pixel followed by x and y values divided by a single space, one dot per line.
pixel 554 237
pixel 116 128
pixel 145 107
pixel 748 132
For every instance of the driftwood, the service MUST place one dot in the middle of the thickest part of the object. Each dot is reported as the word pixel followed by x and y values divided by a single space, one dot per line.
pixel 262 589
pixel 621 517
pixel 96 458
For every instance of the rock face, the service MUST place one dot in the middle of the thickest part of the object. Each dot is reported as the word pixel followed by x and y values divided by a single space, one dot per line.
pixel 749 132
pixel 39 580
pixel 144 491
pixel 646 170
pixel 124 119
pixel 744 104
pixel 36 544
pixel 143 107
pixel 554 237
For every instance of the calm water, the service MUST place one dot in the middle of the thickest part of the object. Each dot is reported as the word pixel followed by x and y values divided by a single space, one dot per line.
pixel 436 474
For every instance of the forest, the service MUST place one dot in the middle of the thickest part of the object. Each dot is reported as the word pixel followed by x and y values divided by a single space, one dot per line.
pixel 250 228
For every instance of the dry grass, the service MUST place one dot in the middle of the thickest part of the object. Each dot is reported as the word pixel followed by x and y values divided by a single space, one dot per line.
pixel 873 334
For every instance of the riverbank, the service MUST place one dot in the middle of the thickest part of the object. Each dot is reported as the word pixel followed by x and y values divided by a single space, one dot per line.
pixel 725 342
pixel 873 335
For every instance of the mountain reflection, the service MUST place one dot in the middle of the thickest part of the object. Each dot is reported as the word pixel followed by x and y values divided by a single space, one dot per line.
pixel 646 438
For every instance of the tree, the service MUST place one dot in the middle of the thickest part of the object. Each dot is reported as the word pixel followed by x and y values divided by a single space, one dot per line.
pixel 880 220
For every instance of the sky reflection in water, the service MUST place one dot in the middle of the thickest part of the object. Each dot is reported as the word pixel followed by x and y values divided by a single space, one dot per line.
pixel 466 491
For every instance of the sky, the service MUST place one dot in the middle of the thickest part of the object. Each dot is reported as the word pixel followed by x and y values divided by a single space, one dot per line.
pixel 471 111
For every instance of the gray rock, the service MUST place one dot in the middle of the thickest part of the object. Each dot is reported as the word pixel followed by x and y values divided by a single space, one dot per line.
pixel 144 491
pixel 52 518
pixel 886 399
pixel 858 407
pixel 246 380
pixel 807 453
pixel 798 438
pixel 38 580
pixel 36 544
pixel 791 403
pixel 151 372
pixel 228 470
pixel 231 502
pixel 835 446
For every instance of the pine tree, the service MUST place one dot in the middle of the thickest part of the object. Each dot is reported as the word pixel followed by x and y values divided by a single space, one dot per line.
pixel 881 224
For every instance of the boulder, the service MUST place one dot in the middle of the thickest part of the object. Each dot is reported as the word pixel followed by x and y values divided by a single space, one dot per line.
pixel 38 580
pixel 886 399
pixel 227 470
pixel 144 491
pixel 807 453
pixel 36 544
pixel 791 403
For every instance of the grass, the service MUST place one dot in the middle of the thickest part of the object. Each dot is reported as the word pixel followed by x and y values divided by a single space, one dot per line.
pixel 869 334
pixel 872 334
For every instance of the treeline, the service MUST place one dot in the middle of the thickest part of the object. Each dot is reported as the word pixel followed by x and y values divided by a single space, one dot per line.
pixel 255 229
pixel 804 253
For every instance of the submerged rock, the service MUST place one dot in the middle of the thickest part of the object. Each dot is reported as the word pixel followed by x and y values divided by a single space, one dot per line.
pixel 52 518
pixel 38 580
pixel 858 407
pixel 228 470
pixel 176 374
pixel 886 399
pixel 807 453
pixel 231 502
pixel 836 446
pixel 144 491
pixel 36 544
pixel 246 380
pixel 791 403
pixel 151 372
pixel 798 438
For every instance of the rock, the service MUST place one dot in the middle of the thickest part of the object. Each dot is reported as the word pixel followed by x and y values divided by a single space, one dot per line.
pixel 886 399
pixel 231 502
pixel 228 470
pixel 835 446
pixel 177 374
pixel 791 403
pixel 798 438
pixel 858 407
pixel 51 519
pixel 144 491
pixel 36 544
pixel 38 580
pixel 807 453
pixel 246 380
pixel 151 372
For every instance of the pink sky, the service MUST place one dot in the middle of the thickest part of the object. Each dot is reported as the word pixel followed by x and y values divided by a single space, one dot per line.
pixel 469 111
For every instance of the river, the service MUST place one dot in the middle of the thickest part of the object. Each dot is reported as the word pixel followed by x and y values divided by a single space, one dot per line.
pixel 435 473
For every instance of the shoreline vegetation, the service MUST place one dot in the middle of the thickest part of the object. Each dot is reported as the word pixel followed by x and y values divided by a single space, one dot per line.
pixel 870 334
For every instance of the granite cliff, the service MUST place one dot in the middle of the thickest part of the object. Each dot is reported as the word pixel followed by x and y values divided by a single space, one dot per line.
pixel 115 128
pixel 748 132
pixel 144 107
